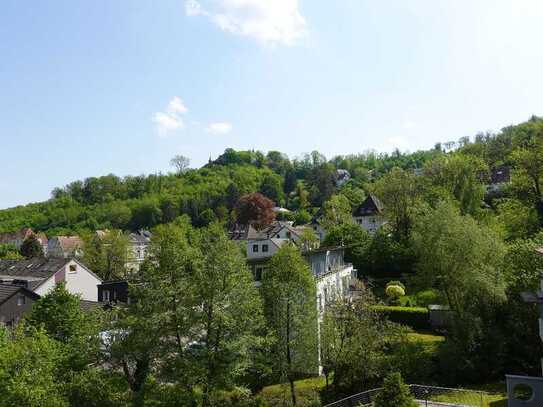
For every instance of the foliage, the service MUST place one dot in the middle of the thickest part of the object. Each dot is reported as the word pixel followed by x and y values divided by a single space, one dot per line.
pixel 394 290
pixel 354 339
pixel 255 209
pixel 9 252
pixel 180 163
pixel 399 190
pixel 395 393
pixel 228 315
pixel 28 366
pixel 107 253
pixel 336 212
pixel 290 307
pixel 31 247
pixel 414 317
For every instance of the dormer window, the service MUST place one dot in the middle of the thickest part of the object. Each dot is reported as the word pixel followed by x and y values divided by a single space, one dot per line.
pixel 255 248
pixel 264 248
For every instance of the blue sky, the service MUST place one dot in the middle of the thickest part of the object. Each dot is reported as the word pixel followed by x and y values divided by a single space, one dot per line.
pixel 89 88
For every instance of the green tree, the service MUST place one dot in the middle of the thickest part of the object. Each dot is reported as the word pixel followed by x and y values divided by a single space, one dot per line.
pixel 28 365
pixel 162 306
pixel 354 339
pixel 336 211
pixel 229 313
pixel 464 261
pixel 272 188
pixel 59 313
pixel 288 289
pixel 461 176
pixel 107 253
pixel 31 247
pixel 395 393
pixel 399 190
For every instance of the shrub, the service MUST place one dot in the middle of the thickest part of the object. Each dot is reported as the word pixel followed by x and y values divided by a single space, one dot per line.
pixel 395 393
pixel 427 297
pixel 394 290
pixel 414 317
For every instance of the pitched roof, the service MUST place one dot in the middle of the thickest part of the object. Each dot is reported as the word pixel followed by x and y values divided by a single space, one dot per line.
pixel 69 243
pixel 9 290
pixel 10 237
pixel 37 268
pixel 370 206
pixel 141 237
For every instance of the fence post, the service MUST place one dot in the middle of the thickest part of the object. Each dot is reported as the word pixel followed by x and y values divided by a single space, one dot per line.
pixel 482 405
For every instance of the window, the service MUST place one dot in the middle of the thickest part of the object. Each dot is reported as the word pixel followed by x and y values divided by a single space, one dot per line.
pixel 264 248
pixel 72 268
pixel 255 248
pixel 105 295
pixel 21 300
pixel 289 235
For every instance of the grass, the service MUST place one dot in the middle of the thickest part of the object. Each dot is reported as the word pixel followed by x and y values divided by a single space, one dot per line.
pixel 494 396
pixel 307 391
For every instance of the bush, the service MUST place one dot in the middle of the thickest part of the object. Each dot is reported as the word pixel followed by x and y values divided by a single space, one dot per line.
pixel 395 393
pixel 427 297
pixel 414 317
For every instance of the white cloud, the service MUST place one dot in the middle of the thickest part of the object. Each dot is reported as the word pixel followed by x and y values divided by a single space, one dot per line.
pixel 220 128
pixel 170 120
pixel 268 21
pixel 176 105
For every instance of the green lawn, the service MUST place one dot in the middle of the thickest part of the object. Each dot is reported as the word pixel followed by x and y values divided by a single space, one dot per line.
pixel 495 396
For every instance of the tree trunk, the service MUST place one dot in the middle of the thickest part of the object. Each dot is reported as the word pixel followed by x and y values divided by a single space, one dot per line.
pixel 289 359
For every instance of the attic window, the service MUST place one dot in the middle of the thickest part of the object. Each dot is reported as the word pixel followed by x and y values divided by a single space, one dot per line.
pixel 72 268
pixel 21 300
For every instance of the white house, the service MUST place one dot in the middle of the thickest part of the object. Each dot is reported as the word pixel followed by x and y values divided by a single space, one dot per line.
pixel 139 246
pixel 40 275
pixel 370 214
pixel 264 243
pixel 333 276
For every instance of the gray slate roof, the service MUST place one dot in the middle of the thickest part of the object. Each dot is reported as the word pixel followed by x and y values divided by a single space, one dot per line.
pixel 35 268
pixel 9 290
pixel 370 206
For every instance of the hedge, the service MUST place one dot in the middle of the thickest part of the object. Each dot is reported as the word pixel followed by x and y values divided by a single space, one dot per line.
pixel 415 317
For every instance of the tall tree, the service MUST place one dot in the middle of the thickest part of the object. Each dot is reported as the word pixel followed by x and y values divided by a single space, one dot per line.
pixel 255 209
pixel 107 253
pixel 289 293
pixel 399 191
pixel 229 313
pixel 336 212
pixel 180 163
pixel 158 319
pixel 354 339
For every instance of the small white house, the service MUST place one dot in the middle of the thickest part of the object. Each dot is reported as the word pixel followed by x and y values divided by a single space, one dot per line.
pixel 40 275
pixel 370 214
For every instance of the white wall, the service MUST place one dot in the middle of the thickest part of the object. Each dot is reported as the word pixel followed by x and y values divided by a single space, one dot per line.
pixel 80 281
pixel 370 223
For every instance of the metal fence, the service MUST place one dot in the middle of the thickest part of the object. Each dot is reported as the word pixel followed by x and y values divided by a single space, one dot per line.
pixel 426 396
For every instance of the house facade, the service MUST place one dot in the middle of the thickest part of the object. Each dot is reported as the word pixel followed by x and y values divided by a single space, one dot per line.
pixel 139 243
pixel 370 214
pixel 262 244
pixel 15 302
pixel 65 247
pixel 334 278
pixel 40 275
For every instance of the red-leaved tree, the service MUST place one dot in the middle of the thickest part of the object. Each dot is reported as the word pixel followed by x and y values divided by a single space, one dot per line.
pixel 255 209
